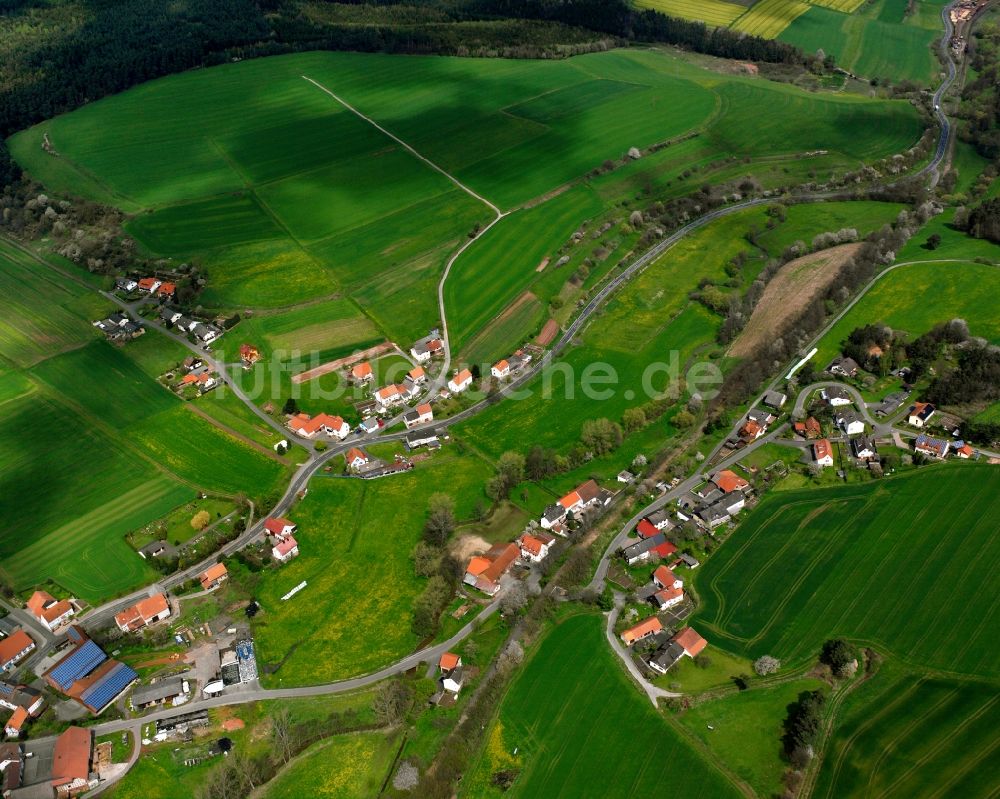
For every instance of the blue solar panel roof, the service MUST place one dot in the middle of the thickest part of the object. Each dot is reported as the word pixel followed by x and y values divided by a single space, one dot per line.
pixel 108 687
pixel 79 664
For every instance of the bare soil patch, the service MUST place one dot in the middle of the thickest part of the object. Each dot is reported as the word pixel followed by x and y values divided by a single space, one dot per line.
pixel 788 294
pixel 549 331
pixel 467 545
pixel 350 360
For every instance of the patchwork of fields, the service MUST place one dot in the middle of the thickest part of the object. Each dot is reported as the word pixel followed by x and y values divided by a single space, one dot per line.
pixel 904 565
pixel 581 729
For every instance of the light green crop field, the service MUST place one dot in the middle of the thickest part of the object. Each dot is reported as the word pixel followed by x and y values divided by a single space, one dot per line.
pixel 903 564
pixel 768 18
pixel 913 735
pixel 745 729
pixel 879 40
pixel 900 300
pixel 711 12
pixel 355 538
pixel 36 322
pixel 582 728
pixel 342 767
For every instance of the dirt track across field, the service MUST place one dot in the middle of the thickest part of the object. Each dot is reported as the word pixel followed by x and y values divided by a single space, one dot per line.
pixel 789 293
pixel 350 360
pixel 549 331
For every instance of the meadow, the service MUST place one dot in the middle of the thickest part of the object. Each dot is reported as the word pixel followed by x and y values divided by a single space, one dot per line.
pixel 341 767
pixel 899 299
pixel 745 729
pixel 581 729
pixel 355 538
pixel 905 734
pixel 902 564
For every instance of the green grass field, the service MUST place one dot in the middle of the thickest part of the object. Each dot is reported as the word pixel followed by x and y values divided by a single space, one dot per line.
pixel 899 299
pixel 582 729
pixel 355 538
pixel 342 767
pixel 902 564
pixel 744 729
pixel 913 735
pixel 879 40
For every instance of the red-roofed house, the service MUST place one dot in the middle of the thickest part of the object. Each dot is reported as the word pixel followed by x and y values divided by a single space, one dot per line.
pixel 690 641
pixel 15 724
pixel 664 550
pixel 390 395
pixel 214 576
pixel 535 546
pixel 500 369
pixel 419 415
pixel 813 428
pixel 14 648
pixel 646 529
pixel 50 612
pixel 461 381
pixel 484 571
pixel 149 284
pixel 277 525
pixel 284 548
pixel 643 629
pixel 920 414
pixel 143 613
pixel 449 661
pixel 71 762
pixel 166 290
pixel 668 597
pixel 823 453
pixel 249 354
pixel 727 481
pixel 417 374
pixel 309 426
pixel 356 458
pixel 964 451
pixel 362 372
pixel 751 430
pixel 665 578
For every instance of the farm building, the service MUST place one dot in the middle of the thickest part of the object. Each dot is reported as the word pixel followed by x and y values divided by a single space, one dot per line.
pixel 143 613
pixel 12 771
pixel 823 453
pixel 160 693
pixel 322 423
pixel 461 381
pixel 484 571
pixel 422 414
pixel 643 629
pixel 920 414
pixel 14 648
pixel 50 612
pixel 214 576
pixel 87 675
pixel 71 761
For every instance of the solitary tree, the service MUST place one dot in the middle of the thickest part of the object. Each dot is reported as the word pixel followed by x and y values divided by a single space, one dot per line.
pixel 200 520
pixel 440 519
pixel 766 665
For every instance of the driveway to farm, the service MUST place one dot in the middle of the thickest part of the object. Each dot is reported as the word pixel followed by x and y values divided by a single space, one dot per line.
pixel 652 691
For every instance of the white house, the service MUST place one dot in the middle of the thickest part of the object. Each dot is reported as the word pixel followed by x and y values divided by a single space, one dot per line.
pixel 461 381
pixel 535 546
pixel 835 396
pixel 850 422
pixel 278 526
pixel 50 612
pixel 14 647
pixel 920 414
pixel 390 395
pixel 419 415
pixel 500 369
pixel 823 453
pixel 126 284
pixel 284 548
pixel 205 333
pixel 322 423
pixel 356 458
pixel 427 346
pixel 149 284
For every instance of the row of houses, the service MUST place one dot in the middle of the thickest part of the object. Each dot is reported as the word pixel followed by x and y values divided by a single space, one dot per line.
pixel 119 327
pixel 584 497
pixel 163 289
pixel 26 703
pixel 203 332
pixel 685 643
pixel 394 393
pixel 364 465
pixel 511 365
pixel 721 498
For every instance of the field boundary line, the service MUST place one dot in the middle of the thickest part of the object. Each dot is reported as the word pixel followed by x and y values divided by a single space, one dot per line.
pixel 232 432
pixel 402 143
